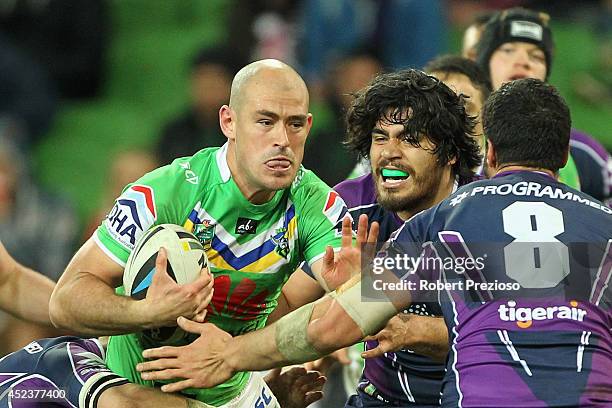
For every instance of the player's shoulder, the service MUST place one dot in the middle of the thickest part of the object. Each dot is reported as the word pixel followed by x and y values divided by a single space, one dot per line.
pixel 307 186
pixel 314 197
pixel 357 191
pixel 201 168
pixel 581 141
pixel 191 173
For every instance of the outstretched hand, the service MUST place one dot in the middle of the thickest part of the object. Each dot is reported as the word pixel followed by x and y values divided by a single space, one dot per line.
pixel 296 387
pixel 339 268
pixel 197 365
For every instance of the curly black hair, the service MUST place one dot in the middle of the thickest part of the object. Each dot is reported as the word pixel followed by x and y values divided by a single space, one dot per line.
pixel 436 113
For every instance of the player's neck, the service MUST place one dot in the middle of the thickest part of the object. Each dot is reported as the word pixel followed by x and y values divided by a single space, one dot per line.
pixel 510 167
pixel 253 194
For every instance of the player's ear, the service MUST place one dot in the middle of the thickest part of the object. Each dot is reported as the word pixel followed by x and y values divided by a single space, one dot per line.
pixel 309 121
pixel 452 161
pixel 491 156
pixel 227 121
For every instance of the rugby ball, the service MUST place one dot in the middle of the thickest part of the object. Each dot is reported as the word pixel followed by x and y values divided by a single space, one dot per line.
pixel 186 257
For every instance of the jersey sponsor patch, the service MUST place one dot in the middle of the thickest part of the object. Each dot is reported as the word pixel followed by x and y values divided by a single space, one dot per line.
pixel 335 209
pixel 134 212
pixel 246 226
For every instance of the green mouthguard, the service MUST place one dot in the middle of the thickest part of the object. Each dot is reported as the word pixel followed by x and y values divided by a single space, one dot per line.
pixel 393 173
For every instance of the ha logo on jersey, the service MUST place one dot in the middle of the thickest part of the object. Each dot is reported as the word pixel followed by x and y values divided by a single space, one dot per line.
pixel 134 212
pixel 335 210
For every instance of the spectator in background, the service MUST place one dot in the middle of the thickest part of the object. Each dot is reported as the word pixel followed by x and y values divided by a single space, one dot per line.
pixel 37 228
pixel 29 97
pixel 330 29
pixel 212 70
pixel 325 153
pixel 126 167
pixel 267 30
pixel 465 77
pixel 472 34
pixel 67 37
pixel 518 43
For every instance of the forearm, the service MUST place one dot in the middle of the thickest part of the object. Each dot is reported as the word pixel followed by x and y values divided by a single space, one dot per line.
pixel 88 305
pixel 267 354
pixel 137 396
pixel 308 333
pixel 431 339
pixel 26 294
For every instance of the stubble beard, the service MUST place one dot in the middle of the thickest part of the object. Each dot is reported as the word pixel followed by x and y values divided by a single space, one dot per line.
pixel 422 192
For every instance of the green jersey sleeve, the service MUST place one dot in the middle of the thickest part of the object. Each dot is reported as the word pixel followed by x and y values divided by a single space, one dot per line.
pixel 149 201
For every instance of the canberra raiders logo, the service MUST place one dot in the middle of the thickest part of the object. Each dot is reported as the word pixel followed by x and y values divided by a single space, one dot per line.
pixel 281 241
pixel 204 232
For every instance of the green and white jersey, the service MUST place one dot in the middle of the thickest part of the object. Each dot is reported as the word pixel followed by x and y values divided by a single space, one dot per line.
pixel 252 249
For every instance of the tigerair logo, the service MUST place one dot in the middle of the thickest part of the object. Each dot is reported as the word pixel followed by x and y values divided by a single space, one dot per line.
pixel 524 316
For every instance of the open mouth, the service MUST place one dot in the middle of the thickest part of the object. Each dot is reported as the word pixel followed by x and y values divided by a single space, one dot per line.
pixel 392 177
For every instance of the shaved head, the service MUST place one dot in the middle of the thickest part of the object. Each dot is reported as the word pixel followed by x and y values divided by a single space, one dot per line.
pixel 266 124
pixel 266 73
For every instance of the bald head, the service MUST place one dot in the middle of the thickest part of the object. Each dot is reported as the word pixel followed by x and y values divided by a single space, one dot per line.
pixel 268 73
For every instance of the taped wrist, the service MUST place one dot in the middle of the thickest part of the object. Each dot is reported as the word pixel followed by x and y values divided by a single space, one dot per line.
pixel 370 317
pixel 292 337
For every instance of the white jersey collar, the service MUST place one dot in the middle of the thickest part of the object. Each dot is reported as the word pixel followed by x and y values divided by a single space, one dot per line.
pixel 222 163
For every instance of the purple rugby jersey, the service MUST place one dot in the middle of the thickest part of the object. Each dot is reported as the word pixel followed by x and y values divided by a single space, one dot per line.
pixel 594 166
pixel 56 372
pixel 539 335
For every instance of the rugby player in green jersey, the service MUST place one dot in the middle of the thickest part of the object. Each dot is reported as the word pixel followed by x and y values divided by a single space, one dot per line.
pixel 256 210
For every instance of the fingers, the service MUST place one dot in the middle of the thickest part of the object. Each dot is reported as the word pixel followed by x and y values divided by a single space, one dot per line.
pixel 373 233
pixel 161 264
pixel 200 317
pixel 328 258
pixel 378 351
pixel 191 326
pixel 310 385
pixel 272 374
pixel 167 374
pixel 362 229
pixel 311 365
pixel 178 386
pixel 156 365
pixel 347 232
pixel 200 284
pixel 375 352
pixel 309 381
pixel 206 301
pixel 312 397
pixel 160 352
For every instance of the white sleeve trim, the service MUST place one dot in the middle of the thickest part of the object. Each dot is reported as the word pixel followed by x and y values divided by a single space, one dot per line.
pixel 107 251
